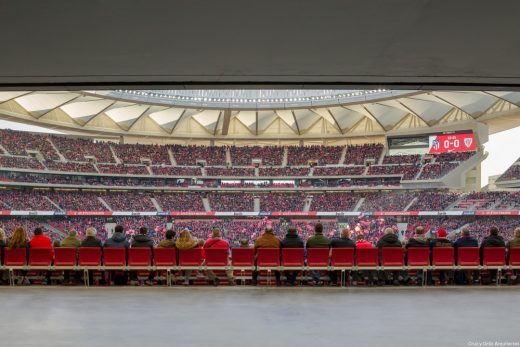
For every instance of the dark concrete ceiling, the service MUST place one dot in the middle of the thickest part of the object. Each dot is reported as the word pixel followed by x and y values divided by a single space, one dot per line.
pixel 413 44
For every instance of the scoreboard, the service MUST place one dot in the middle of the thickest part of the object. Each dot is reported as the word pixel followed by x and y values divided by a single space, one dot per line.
pixel 446 143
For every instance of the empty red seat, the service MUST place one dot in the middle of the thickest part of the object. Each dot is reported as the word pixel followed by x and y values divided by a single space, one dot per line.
pixel 418 256
pixel 90 256
pixel 293 257
pixel 139 256
pixel 115 257
pixel 342 257
pixel 494 256
pixel 367 257
pixel 514 256
pixel 165 257
pixel 217 257
pixel 443 256
pixel 392 256
pixel 190 257
pixel 242 257
pixel 318 257
pixel 65 256
pixel 40 256
pixel 15 257
pixel 468 256
pixel 268 257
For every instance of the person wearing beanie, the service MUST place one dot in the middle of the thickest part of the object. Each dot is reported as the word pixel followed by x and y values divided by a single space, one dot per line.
pixel 142 239
pixel 441 241
pixel 419 239
pixel 91 240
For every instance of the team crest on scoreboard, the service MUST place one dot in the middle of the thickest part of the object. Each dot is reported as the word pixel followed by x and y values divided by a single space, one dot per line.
pixel 468 141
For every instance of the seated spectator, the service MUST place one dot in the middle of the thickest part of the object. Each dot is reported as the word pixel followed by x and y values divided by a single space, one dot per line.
pixel 465 241
pixel 71 240
pixel 216 242
pixel 18 239
pixel 318 240
pixel 168 241
pixel 56 243
pixel 186 242
pixel 91 240
pixel 419 240
pixel 362 243
pixel 441 240
pixel 118 238
pixel 292 240
pixel 244 243
pixel 389 239
pixel 39 240
pixel 344 241
pixel 515 242
pixel 2 238
pixel 142 239
pixel 267 240
pixel 493 240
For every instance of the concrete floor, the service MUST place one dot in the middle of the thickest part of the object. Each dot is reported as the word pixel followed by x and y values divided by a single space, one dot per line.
pixel 267 317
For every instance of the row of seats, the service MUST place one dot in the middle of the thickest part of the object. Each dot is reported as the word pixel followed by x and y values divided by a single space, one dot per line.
pixel 266 258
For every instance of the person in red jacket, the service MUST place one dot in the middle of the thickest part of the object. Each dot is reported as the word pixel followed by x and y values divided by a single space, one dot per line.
pixel 216 242
pixel 39 240
pixel 369 277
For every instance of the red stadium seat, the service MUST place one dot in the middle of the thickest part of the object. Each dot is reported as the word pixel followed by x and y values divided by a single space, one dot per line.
pixel 418 257
pixel 138 257
pixel 293 258
pixel 443 257
pixel 494 256
pixel 268 257
pixel 114 257
pixel 190 257
pixel 15 257
pixel 217 257
pixel 166 257
pixel 90 256
pixel 392 257
pixel 40 257
pixel 514 256
pixel 242 257
pixel 318 258
pixel 342 257
pixel 65 257
pixel 367 257
pixel 468 257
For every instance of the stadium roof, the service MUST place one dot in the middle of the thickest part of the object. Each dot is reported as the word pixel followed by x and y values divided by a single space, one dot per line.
pixel 260 114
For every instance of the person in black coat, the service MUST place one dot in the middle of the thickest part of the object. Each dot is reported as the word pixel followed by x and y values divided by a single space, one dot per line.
pixel 465 240
pixel 389 239
pixel 344 241
pixel 91 240
pixel 419 240
pixel 292 240
pixel 142 239
pixel 493 240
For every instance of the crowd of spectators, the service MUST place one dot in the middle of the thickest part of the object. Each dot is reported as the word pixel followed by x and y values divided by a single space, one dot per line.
pixel 401 159
pixel 386 202
pixel 334 202
pixel 282 202
pixel 20 142
pixel 453 156
pixel 190 171
pixel 25 200
pixel 72 201
pixel 408 171
pixel 512 173
pixel 230 202
pixel 243 156
pixel 121 169
pixel 323 155
pixel 357 154
pixel 283 171
pixel 69 166
pixel 20 163
pixel 338 170
pixel 128 202
pixel 134 153
pixel 77 149
pixel 436 170
pixel 180 201
pixel 230 172
pixel 189 155
pixel 433 201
